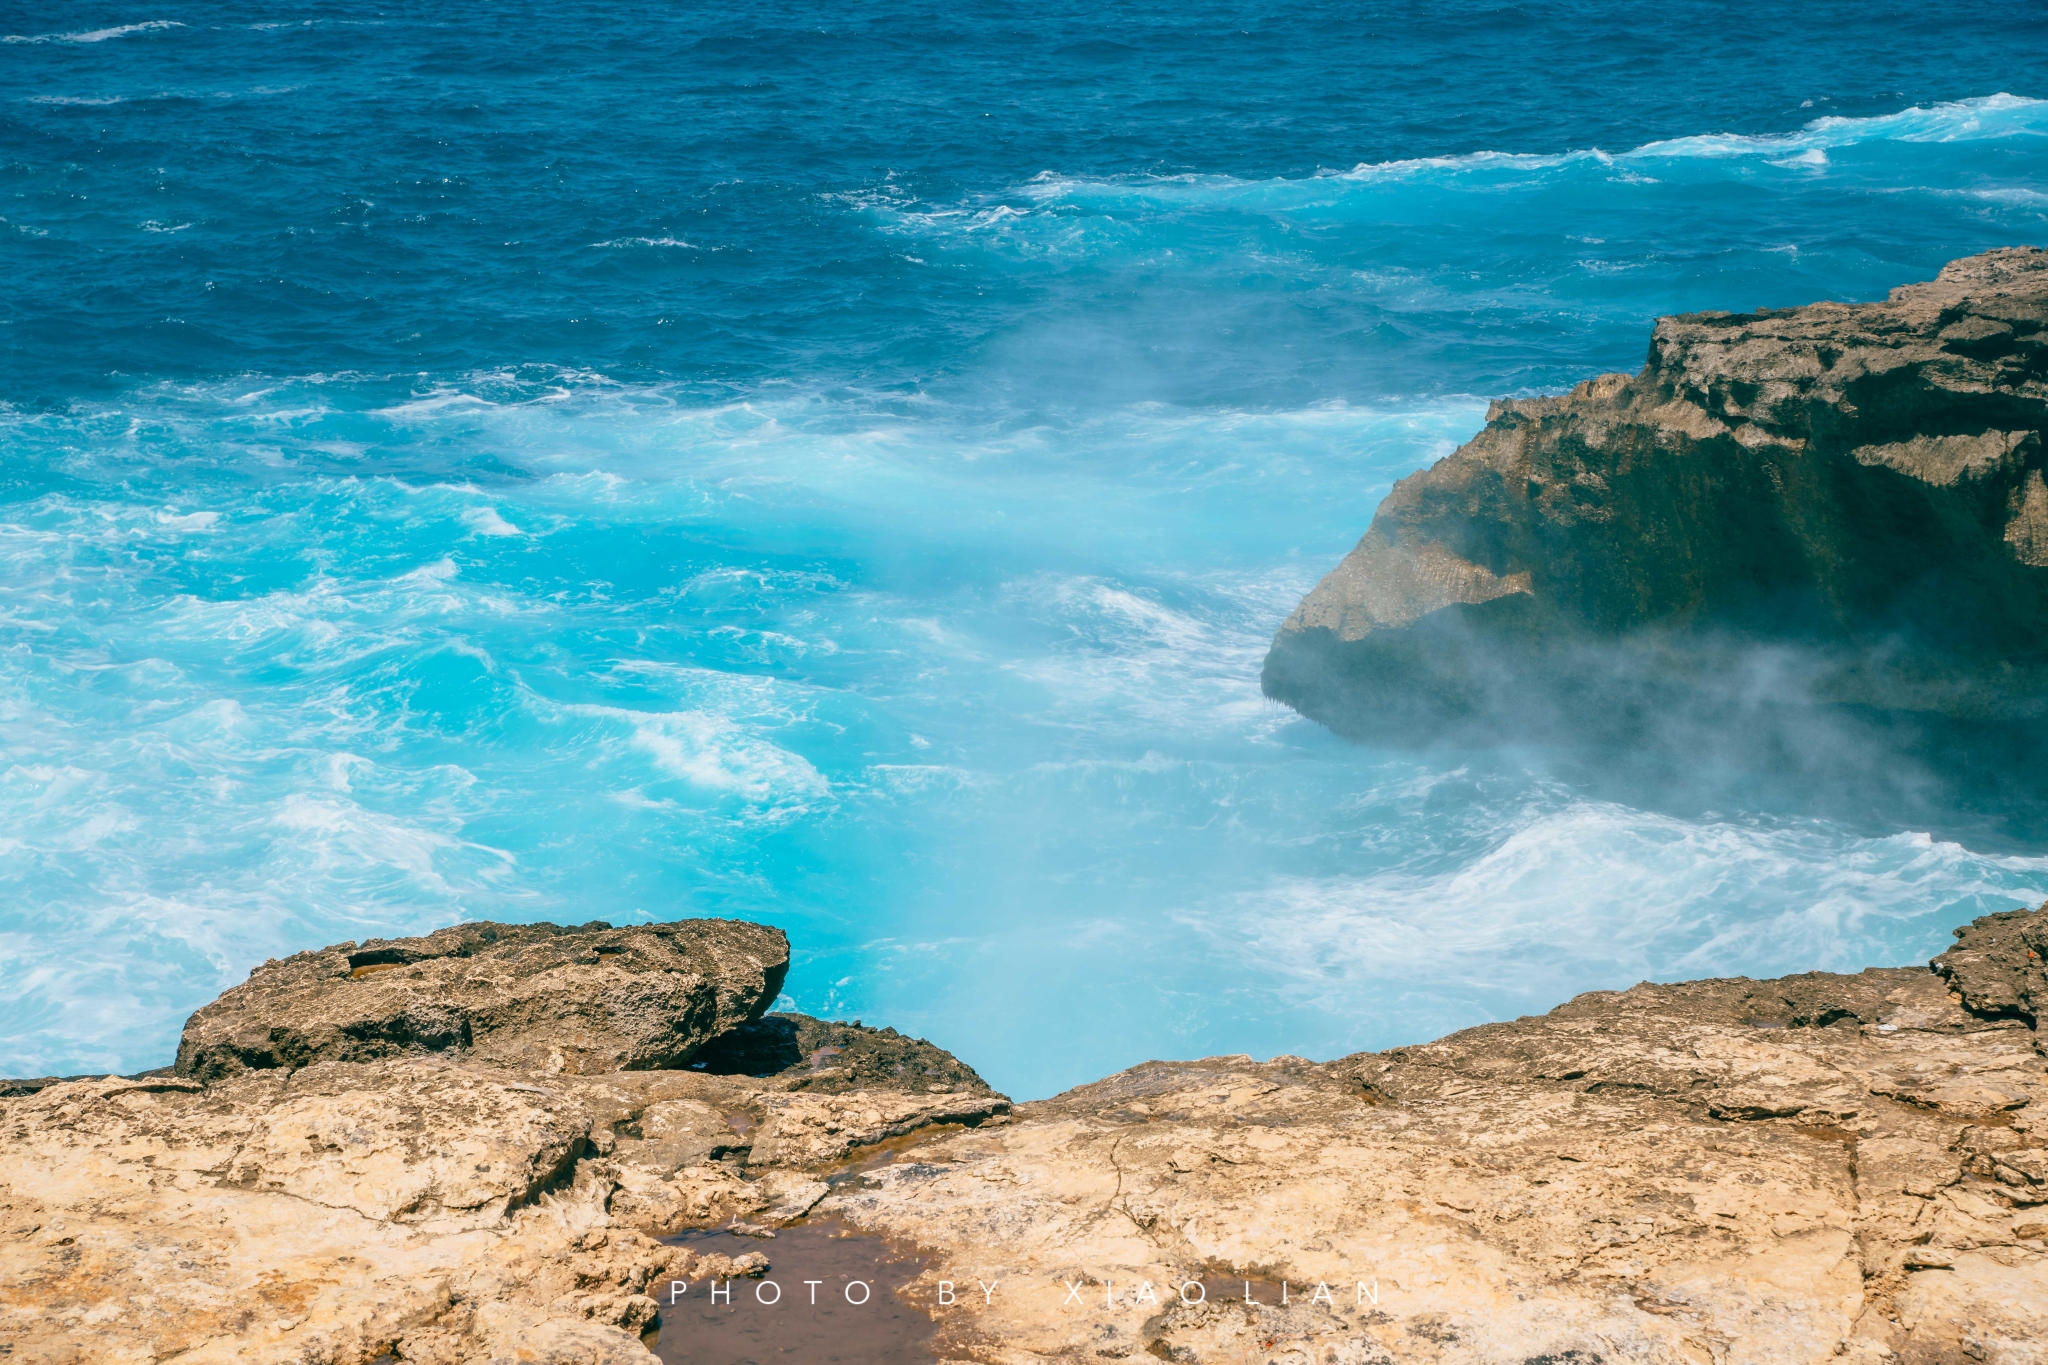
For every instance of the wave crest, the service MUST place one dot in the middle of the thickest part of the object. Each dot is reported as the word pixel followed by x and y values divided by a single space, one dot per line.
pixel 97 35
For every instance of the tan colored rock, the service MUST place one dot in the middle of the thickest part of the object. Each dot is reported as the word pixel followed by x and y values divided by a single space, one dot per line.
pixel 1717 1172
pixel 816 1130
pixel 533 996
pixel 1655 1175
pixel 448 1209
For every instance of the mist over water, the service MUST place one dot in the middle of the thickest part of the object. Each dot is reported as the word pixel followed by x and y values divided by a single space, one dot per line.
pixel 611 464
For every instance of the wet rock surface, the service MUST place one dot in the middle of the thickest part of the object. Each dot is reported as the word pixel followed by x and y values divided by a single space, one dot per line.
pixel 536 996
pixel 1819 1167
pixel 831 1296
pixel 1831 505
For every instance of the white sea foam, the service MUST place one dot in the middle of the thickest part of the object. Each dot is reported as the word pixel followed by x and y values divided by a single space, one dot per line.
pixel 97 35
pixel 1131 662
pixel 712 752
pixel 487 521
pixel 1992 116
pixel 168 853
pixel 617 242
pixel 1050 199
pixel 435 404
pixel 333 832
pixel 2001 194
pixel 1813 158
pixel 1534 915
pixel 722 751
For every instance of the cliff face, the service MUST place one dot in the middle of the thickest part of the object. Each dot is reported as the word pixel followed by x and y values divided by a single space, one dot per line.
pixel 1834 504
pixel 1816 1168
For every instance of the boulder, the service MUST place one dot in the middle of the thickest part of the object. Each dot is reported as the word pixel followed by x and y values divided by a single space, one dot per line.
pixel 1834 505
pixel 532 996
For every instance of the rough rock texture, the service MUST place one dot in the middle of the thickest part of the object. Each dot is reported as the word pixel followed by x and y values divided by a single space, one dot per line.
pixel 2000 964
pixel 1816 1168
pixel 431 1205
pixel 536 996
pixel 1729 1171
pixel 1832 504
pixel 827 1058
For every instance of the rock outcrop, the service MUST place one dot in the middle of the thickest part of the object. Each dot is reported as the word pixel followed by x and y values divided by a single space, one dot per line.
pixel 1835 505
pixel 1816 1168
pixel 534 996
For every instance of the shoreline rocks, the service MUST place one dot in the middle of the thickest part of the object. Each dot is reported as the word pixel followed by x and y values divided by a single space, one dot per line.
pixel 1817 1167
pixel 537 996
pixel 1829 506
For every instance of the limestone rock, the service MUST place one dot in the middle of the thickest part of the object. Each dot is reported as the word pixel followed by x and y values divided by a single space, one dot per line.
pixel 1728 1171
pixel 1836 505
pixel 815 1130
pixel 1741 1172
pixel 447 1210
pixel 536 996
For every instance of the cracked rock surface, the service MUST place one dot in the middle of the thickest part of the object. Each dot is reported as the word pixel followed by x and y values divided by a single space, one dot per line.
pixel 1816 1168
pixel 440 1208
pixel 1834 504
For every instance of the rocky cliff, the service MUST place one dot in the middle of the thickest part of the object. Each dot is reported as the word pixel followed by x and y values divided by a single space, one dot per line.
pixel 1817 1168
pixel 1839 505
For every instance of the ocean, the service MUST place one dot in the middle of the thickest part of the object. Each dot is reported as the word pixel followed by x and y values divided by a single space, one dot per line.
pixel 842 467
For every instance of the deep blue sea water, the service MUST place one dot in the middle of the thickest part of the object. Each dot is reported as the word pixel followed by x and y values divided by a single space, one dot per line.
pixel 842 467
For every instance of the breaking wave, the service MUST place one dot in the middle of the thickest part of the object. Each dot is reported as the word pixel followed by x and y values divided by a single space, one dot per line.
pixel 97 35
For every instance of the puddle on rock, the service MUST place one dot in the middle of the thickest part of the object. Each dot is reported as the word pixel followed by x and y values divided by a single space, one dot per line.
pixel 830 1295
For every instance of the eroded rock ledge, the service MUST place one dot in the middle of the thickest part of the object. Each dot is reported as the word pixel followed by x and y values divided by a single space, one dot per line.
pixel 1830 505
pixel 1818 1167
pixel 592 998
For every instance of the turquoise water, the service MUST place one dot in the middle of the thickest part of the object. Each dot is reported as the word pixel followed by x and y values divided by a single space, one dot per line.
pixel 622 463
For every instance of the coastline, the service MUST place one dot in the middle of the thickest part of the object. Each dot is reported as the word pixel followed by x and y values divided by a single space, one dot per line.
pixel 1822 1165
